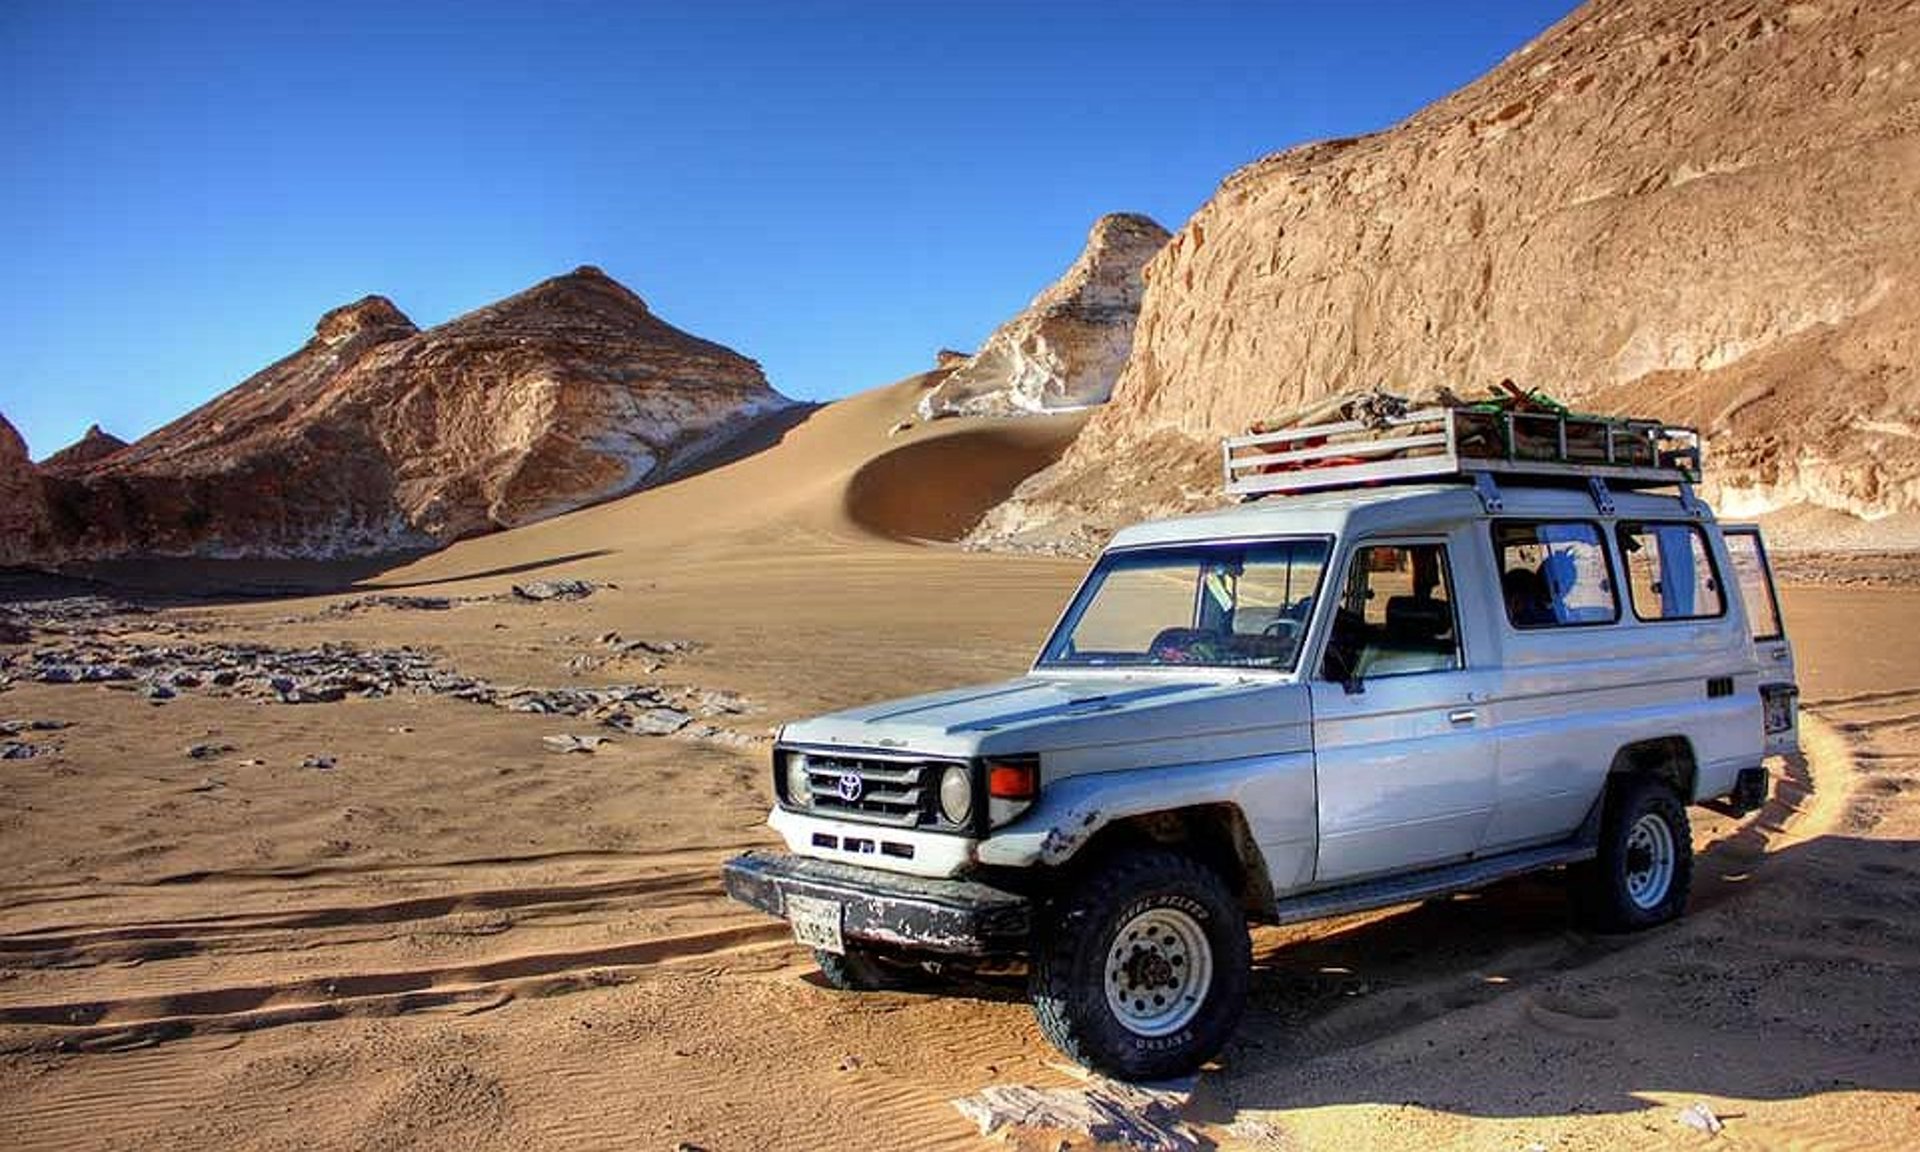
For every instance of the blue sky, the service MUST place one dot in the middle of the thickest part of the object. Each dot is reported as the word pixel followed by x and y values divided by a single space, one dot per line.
pixel 834 189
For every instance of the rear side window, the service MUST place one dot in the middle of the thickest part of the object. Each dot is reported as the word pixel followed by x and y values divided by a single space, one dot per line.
pixel 1670 573
pixel 1756 583
pixel 1554 574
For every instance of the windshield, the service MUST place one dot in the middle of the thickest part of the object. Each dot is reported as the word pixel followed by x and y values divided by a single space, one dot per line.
pixel 1240 605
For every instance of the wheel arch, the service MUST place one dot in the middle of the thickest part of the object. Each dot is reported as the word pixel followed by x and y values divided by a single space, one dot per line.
pixel 1668 758
pixel 1217 835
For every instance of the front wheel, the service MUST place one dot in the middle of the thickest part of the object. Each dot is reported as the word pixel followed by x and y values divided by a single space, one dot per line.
pixel 1644 869
pixel 1144 973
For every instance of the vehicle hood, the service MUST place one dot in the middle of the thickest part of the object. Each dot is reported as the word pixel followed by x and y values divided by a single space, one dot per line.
pixel 1099 722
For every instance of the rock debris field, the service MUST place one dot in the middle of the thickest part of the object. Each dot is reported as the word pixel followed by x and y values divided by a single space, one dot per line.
pixel 97 650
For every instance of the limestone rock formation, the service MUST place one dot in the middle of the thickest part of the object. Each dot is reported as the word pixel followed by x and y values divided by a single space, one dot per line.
pixel 1066 349
pixel 379 437
pixel 96 444
pixel 1694 210
pixel 23 510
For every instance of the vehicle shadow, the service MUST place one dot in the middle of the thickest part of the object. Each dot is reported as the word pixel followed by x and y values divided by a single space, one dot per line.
pixel 1790 977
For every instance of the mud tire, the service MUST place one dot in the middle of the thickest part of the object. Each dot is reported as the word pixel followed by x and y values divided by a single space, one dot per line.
pixel 1644 871
pixel 1072 964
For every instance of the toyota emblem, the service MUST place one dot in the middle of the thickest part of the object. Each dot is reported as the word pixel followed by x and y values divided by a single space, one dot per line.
pixel 851 786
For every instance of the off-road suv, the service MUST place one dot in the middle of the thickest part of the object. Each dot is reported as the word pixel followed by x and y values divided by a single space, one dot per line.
pixel 1420 672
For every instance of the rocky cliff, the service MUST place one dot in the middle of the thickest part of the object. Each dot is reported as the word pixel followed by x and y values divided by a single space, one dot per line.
pixel 1702 211
pixel 379 437
pixel 1066 349
pixel 96 445
pixel 23 509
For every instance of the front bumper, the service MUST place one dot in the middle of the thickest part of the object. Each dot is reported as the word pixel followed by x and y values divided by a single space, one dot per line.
pixel 952 917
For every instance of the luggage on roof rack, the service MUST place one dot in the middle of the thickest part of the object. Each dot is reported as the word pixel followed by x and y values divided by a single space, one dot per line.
pixel 1465 442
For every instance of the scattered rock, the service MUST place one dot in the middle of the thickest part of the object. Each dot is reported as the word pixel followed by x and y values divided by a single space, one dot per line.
pixel 398 603
pixel 208 751
pixel 333 672
pixel 14 630
pixel 652 722
pixel 1106 1111
pixel 1250 1130
pixel 1699 1117
pixel 321 762
pixel 209 784
pixel 571 743
pixel 713 702
pixel 555 590
pixel 17 750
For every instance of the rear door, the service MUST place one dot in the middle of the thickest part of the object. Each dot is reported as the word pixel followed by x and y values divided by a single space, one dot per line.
pixel 1779 689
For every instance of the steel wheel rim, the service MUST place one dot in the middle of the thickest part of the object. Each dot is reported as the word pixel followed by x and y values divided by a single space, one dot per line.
pixel 1158 971
pixel 1650 861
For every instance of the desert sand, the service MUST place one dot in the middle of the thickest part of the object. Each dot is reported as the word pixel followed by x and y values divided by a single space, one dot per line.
pixel 456 937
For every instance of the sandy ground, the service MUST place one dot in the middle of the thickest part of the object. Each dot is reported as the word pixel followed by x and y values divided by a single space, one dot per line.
pixel 455 937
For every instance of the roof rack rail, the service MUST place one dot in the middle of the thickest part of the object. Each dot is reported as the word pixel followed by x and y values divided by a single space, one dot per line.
pixel 1463 443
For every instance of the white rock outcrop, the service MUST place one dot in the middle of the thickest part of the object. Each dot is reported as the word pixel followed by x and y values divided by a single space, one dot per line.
pixel 1067 348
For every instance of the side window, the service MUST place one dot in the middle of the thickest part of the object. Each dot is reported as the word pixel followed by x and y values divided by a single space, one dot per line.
pixel 1554 573
pixel 1395 615
pixel 1750 568
pixel 1670 574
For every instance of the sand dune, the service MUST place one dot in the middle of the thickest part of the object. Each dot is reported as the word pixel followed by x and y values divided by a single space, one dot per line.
pixel 455 937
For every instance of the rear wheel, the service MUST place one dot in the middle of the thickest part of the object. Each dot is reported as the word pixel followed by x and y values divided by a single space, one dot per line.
pixel 863 969
pixel 1644 869
pixel 1143 974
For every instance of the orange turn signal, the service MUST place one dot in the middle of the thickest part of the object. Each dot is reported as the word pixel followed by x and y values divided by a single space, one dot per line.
pixel 1012 781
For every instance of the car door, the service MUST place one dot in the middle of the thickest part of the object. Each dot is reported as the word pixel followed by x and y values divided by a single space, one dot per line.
pixel 1779 689
pixel 1403 748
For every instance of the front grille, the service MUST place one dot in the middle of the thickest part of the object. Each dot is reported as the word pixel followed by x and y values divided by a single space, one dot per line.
pixel 899 793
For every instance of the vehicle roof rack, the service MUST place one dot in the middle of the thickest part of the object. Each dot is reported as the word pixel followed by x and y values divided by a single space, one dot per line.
pixel 1478 445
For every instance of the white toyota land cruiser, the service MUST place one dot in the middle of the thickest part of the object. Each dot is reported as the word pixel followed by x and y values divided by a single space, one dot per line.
pixel 1403 680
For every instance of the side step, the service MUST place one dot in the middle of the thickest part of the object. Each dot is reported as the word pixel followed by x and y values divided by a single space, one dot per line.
pixel 1406 889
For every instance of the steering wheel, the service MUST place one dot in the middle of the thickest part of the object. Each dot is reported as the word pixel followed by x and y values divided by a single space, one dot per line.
pixel 1282 628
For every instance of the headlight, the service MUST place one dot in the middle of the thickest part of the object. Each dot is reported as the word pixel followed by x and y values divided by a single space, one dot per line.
pixel 799 787
pixel 956 794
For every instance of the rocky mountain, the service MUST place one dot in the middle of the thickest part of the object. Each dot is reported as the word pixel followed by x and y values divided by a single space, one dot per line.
pixel 1700 211
pixel 23 508
pixel 97 444
pixel 1066 349
pixel 379 437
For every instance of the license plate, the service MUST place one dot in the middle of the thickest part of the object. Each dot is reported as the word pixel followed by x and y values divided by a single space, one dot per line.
pixel 816 923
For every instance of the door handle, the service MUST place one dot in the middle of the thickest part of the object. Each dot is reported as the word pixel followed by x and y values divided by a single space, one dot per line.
pixel 1462 716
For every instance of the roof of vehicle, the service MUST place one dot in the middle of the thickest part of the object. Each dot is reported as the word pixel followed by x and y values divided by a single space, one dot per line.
pixel 1390 509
